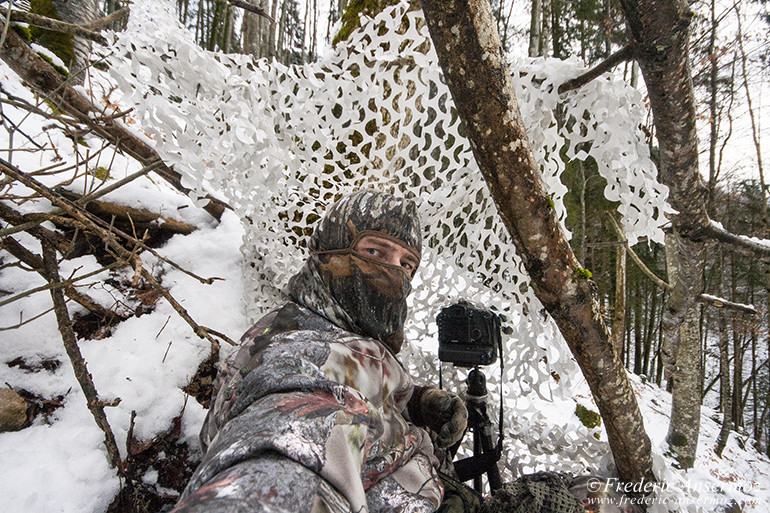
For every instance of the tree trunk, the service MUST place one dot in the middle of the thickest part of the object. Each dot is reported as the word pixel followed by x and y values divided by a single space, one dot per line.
pixel 683 354
pixel 725 397
pixel 649 331
pixel 619 315
pixel 467 44
pixel 73 50
pixel 684 428
pixel 535 28
pixel 659 31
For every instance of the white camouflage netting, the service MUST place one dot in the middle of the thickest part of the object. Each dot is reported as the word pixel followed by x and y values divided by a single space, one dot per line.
pixel 281 143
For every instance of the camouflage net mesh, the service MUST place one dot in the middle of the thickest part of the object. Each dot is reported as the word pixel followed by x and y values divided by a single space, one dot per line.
pixel 280 143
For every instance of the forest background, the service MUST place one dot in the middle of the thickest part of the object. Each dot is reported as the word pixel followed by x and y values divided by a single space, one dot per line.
pixel 729 69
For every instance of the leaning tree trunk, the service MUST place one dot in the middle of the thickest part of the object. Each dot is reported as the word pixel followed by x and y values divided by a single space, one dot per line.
pixel 466 40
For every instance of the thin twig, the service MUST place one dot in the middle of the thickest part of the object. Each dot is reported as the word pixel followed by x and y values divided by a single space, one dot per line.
pixel 167 350
pixel 621 236
pixel 65 283
pixel 22 323
pixel 78 363
pixel 16 128
pixel 163 327
pixel 36 262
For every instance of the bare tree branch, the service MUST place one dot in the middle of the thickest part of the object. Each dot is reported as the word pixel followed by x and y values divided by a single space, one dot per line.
pixel 64 283
pixel 246 6
pixel 41 76
pixel 624 54
pixel 53 24
pixel 701 298
pixel 740 243
pixel 36 262
pixel 78 363
pixel 99 24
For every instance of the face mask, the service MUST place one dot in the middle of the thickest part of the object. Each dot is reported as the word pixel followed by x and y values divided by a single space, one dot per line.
pixel 373 294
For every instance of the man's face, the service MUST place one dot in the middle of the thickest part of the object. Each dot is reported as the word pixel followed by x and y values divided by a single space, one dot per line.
pixel 387 252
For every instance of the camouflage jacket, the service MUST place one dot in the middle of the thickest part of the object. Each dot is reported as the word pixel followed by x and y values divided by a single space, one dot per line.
pixel 309 417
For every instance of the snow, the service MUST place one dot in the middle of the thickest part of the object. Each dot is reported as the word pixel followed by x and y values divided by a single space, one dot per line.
pixel 62 464
pixel 147 360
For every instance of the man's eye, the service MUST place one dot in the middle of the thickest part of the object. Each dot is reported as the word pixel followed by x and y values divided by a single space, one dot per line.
pixel 372 251
pixel 407 265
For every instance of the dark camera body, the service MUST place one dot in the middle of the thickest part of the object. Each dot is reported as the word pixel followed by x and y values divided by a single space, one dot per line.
pixel 467 336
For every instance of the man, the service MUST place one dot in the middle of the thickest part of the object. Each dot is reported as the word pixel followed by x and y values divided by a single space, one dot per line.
pixel 315 412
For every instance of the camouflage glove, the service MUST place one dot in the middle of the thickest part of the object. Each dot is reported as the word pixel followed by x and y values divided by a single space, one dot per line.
pixel 445 414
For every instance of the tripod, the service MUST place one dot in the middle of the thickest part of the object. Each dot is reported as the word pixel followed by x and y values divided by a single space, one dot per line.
pixel 485 455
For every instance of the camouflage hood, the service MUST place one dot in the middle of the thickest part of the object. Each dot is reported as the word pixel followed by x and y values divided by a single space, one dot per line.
pixel 354 292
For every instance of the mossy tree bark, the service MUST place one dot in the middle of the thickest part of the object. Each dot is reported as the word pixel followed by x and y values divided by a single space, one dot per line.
pixel 74 51
pixel 465 37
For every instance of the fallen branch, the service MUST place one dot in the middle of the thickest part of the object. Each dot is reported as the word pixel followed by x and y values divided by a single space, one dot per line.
pixel 40 75
pixel 82 201
pixel 24 223
pixel 52 24
pixel 76 358
pixel 110 239
pixel 30 222
pixel 141 219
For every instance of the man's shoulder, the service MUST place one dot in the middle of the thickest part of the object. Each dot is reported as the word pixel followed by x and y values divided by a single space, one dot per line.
pixel 288 317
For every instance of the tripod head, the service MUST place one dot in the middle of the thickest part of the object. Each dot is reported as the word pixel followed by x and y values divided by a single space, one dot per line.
pixel 477 383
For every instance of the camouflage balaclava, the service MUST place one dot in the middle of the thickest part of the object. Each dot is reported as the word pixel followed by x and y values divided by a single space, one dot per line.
pixel 356 292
